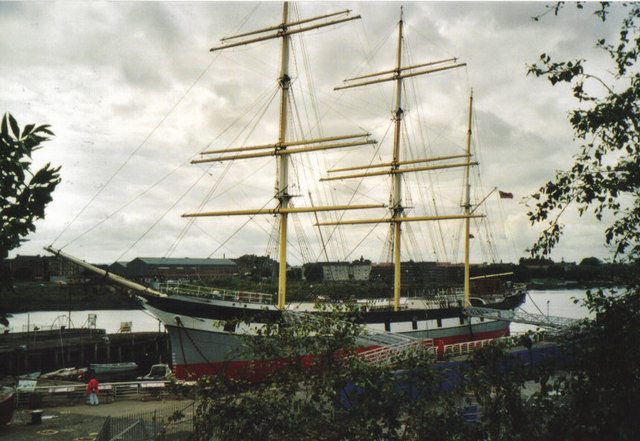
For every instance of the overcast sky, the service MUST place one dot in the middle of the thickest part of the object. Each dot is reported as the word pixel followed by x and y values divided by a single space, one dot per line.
pixel 133 93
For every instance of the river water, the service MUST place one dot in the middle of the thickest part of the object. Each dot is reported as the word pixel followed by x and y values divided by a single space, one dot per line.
pixel 110 320
pixel 556 303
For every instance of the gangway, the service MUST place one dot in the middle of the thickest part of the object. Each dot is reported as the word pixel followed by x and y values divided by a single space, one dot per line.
pixel 391 347
pixel 540 320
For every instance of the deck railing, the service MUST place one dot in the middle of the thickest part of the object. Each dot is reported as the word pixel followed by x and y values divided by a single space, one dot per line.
pixel 207 292
pixel 465 348
pixel 386 355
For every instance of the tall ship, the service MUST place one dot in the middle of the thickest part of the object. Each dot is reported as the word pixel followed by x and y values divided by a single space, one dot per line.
pixel 207 327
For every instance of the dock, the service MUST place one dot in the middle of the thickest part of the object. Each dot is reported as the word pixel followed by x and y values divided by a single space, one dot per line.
pixel 48 350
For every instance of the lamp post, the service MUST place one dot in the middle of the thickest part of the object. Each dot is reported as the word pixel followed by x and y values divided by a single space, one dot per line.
pixel 548 301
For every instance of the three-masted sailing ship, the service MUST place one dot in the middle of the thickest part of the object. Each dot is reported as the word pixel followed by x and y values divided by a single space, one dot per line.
pixel 204 327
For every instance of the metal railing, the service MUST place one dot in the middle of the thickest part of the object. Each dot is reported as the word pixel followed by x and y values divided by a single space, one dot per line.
pixel 543 321
pixel 386 355
pixel 208 292
pixel 155 425
pixel 465 348
pixel 55 395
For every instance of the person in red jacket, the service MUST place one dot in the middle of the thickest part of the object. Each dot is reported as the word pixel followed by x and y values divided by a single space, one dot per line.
pixel 92 391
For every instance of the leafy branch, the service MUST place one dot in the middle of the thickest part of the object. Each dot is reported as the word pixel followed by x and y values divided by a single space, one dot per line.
pixel 605 176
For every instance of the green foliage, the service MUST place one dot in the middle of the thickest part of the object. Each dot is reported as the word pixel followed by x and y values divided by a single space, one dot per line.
pixel 498 390
pixel 590 261
pixel 313 272
pixel 258 267
pixel 307 370
pixel 594 395
pixel 605 176
pixel 23 193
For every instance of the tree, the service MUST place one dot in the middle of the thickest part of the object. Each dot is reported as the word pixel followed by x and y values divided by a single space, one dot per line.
pixel 23 193
pixel 309 384
pixel 590 261
pixel 595 394
pixel 590 392
pixel 605 176
pixel 313 272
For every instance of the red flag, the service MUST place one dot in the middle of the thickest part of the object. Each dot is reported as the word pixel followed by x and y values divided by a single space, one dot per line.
pixel 504 195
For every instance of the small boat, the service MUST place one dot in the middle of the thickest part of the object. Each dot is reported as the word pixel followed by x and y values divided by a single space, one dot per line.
pixel 160 371
pixel 113 368
pixel 7 404
pixel 30 376
pixel 67 374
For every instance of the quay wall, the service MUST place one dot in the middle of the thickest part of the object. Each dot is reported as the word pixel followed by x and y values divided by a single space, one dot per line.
pixel 45 351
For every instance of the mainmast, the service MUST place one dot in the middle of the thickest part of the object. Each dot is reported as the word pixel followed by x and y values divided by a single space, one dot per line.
pixel 396 199
pixel 467 209
pixel 282 189
pixel 397 167
pixel 284 148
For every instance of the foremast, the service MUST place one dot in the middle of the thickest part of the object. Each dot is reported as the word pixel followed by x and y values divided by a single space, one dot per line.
pixel 396 169
pixel 284 147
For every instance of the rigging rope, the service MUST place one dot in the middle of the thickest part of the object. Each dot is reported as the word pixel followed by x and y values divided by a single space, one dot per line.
pixel 226 171
pixel 135 151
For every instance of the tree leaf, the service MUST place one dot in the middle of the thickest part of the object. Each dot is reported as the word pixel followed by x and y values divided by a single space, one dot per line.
pixel 14 126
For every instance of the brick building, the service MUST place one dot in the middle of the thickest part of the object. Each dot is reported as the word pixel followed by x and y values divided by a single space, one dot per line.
pixel 156 268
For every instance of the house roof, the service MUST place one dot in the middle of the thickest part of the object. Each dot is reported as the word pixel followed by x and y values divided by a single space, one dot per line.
pixel 184 261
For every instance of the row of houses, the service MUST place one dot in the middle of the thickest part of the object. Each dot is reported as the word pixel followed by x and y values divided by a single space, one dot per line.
pixel 41 268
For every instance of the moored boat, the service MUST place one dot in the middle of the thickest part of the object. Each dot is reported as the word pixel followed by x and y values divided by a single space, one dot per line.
pixel 159 371
pixel 207 328
pixel 66 374
pixel 113 368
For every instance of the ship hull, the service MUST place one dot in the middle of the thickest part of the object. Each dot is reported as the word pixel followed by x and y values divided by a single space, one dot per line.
pixel 206 339
pixel 199 353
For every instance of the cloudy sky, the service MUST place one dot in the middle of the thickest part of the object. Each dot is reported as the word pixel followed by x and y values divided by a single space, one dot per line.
pixel 133 94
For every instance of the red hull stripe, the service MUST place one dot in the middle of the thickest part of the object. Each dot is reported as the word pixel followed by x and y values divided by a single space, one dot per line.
pixel 240 369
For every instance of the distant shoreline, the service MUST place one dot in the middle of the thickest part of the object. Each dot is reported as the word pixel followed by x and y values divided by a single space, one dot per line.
pixel 51 297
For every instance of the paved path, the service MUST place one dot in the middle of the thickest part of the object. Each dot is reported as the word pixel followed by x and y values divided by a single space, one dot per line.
pixel 120 407
pixel 76 423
